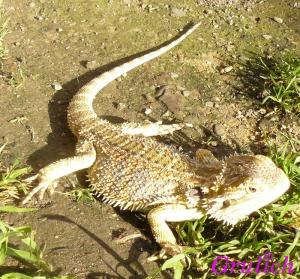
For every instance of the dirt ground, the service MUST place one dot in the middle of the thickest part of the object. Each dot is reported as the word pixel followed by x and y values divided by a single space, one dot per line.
pixel 54 47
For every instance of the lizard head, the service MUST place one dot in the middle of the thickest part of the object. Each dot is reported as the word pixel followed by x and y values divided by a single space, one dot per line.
pixel 245 184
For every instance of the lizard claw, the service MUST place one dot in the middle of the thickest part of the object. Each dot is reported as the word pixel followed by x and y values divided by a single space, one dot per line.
pixel 31 178
pixel 168 249
pixel 41 188
pixel 161 255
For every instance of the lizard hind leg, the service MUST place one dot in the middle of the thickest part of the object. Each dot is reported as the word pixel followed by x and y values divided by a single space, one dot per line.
pixel 47 177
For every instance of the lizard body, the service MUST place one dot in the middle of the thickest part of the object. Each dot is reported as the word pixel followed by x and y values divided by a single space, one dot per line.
pixel 130 169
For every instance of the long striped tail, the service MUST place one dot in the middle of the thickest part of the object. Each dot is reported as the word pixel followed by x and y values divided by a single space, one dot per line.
pixel 81 112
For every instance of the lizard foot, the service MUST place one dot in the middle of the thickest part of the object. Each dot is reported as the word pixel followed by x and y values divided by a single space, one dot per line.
pixel 41 188
pixel 168 249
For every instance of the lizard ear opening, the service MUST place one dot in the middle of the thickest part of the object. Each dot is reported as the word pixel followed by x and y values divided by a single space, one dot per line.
pixel 226 204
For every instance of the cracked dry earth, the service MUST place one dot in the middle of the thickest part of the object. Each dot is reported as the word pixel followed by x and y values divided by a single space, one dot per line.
pixel 54 47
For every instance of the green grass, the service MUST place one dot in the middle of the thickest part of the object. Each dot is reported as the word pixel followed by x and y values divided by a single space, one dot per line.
pixel 275 228
pixel 82 194
pixel 282 82
pixel 17 78
pixel 3 30
pixel 19 242
pixel 11 185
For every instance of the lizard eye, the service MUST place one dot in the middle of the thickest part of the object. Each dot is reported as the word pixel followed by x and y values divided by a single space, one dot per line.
pixel 252 189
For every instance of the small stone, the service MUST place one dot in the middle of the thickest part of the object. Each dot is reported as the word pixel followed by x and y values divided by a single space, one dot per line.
pixel 120 106
pixel 147 111
pixel 167 114
pixel 59 29
pixel 39 17
pixel 186 93
pixel 264 125
pixel 174 101
pixel 209 104
pixel 214 143
pixel 208 12
pixel 239 115
pixel 56 86
pixel 174 75
pixel 262 111
pixel 178 12
pixel 219 130
pixel 226 70
pixel 278 19
pixel 91 64
pixel 249 113
pixel 31 5
pixel 267 37
pixel 297 5
pixel 252 137
pixel 192 119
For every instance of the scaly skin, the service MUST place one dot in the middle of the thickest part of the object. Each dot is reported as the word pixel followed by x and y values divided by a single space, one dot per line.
pixel 128 168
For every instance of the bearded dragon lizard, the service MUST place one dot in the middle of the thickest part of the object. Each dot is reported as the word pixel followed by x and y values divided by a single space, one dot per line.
pixel 129 169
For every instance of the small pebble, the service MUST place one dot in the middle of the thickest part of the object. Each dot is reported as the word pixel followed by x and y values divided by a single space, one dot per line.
pixel 226 70
pixel 173 100
pixel 208 12
pixel 252 137
pixel 127 2
pixel 56 86
pixel 267 37
pixel 174 75
pixel 177 12
pixel 90 64
pixel 219 130
pixel 192 119
pixel 239 115
pixel 120 106
pixel 297 5
pixel 39 17
pixel 209 104
pixel 186 93
pixel 278 19
pixel 31 5
pixel 167 114
pixel 262 111
pixel 214 143
pixel 147 111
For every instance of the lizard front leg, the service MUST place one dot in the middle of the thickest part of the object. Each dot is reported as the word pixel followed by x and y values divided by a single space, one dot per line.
pixel 48 175
pixel 151 129
pixel 157 219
